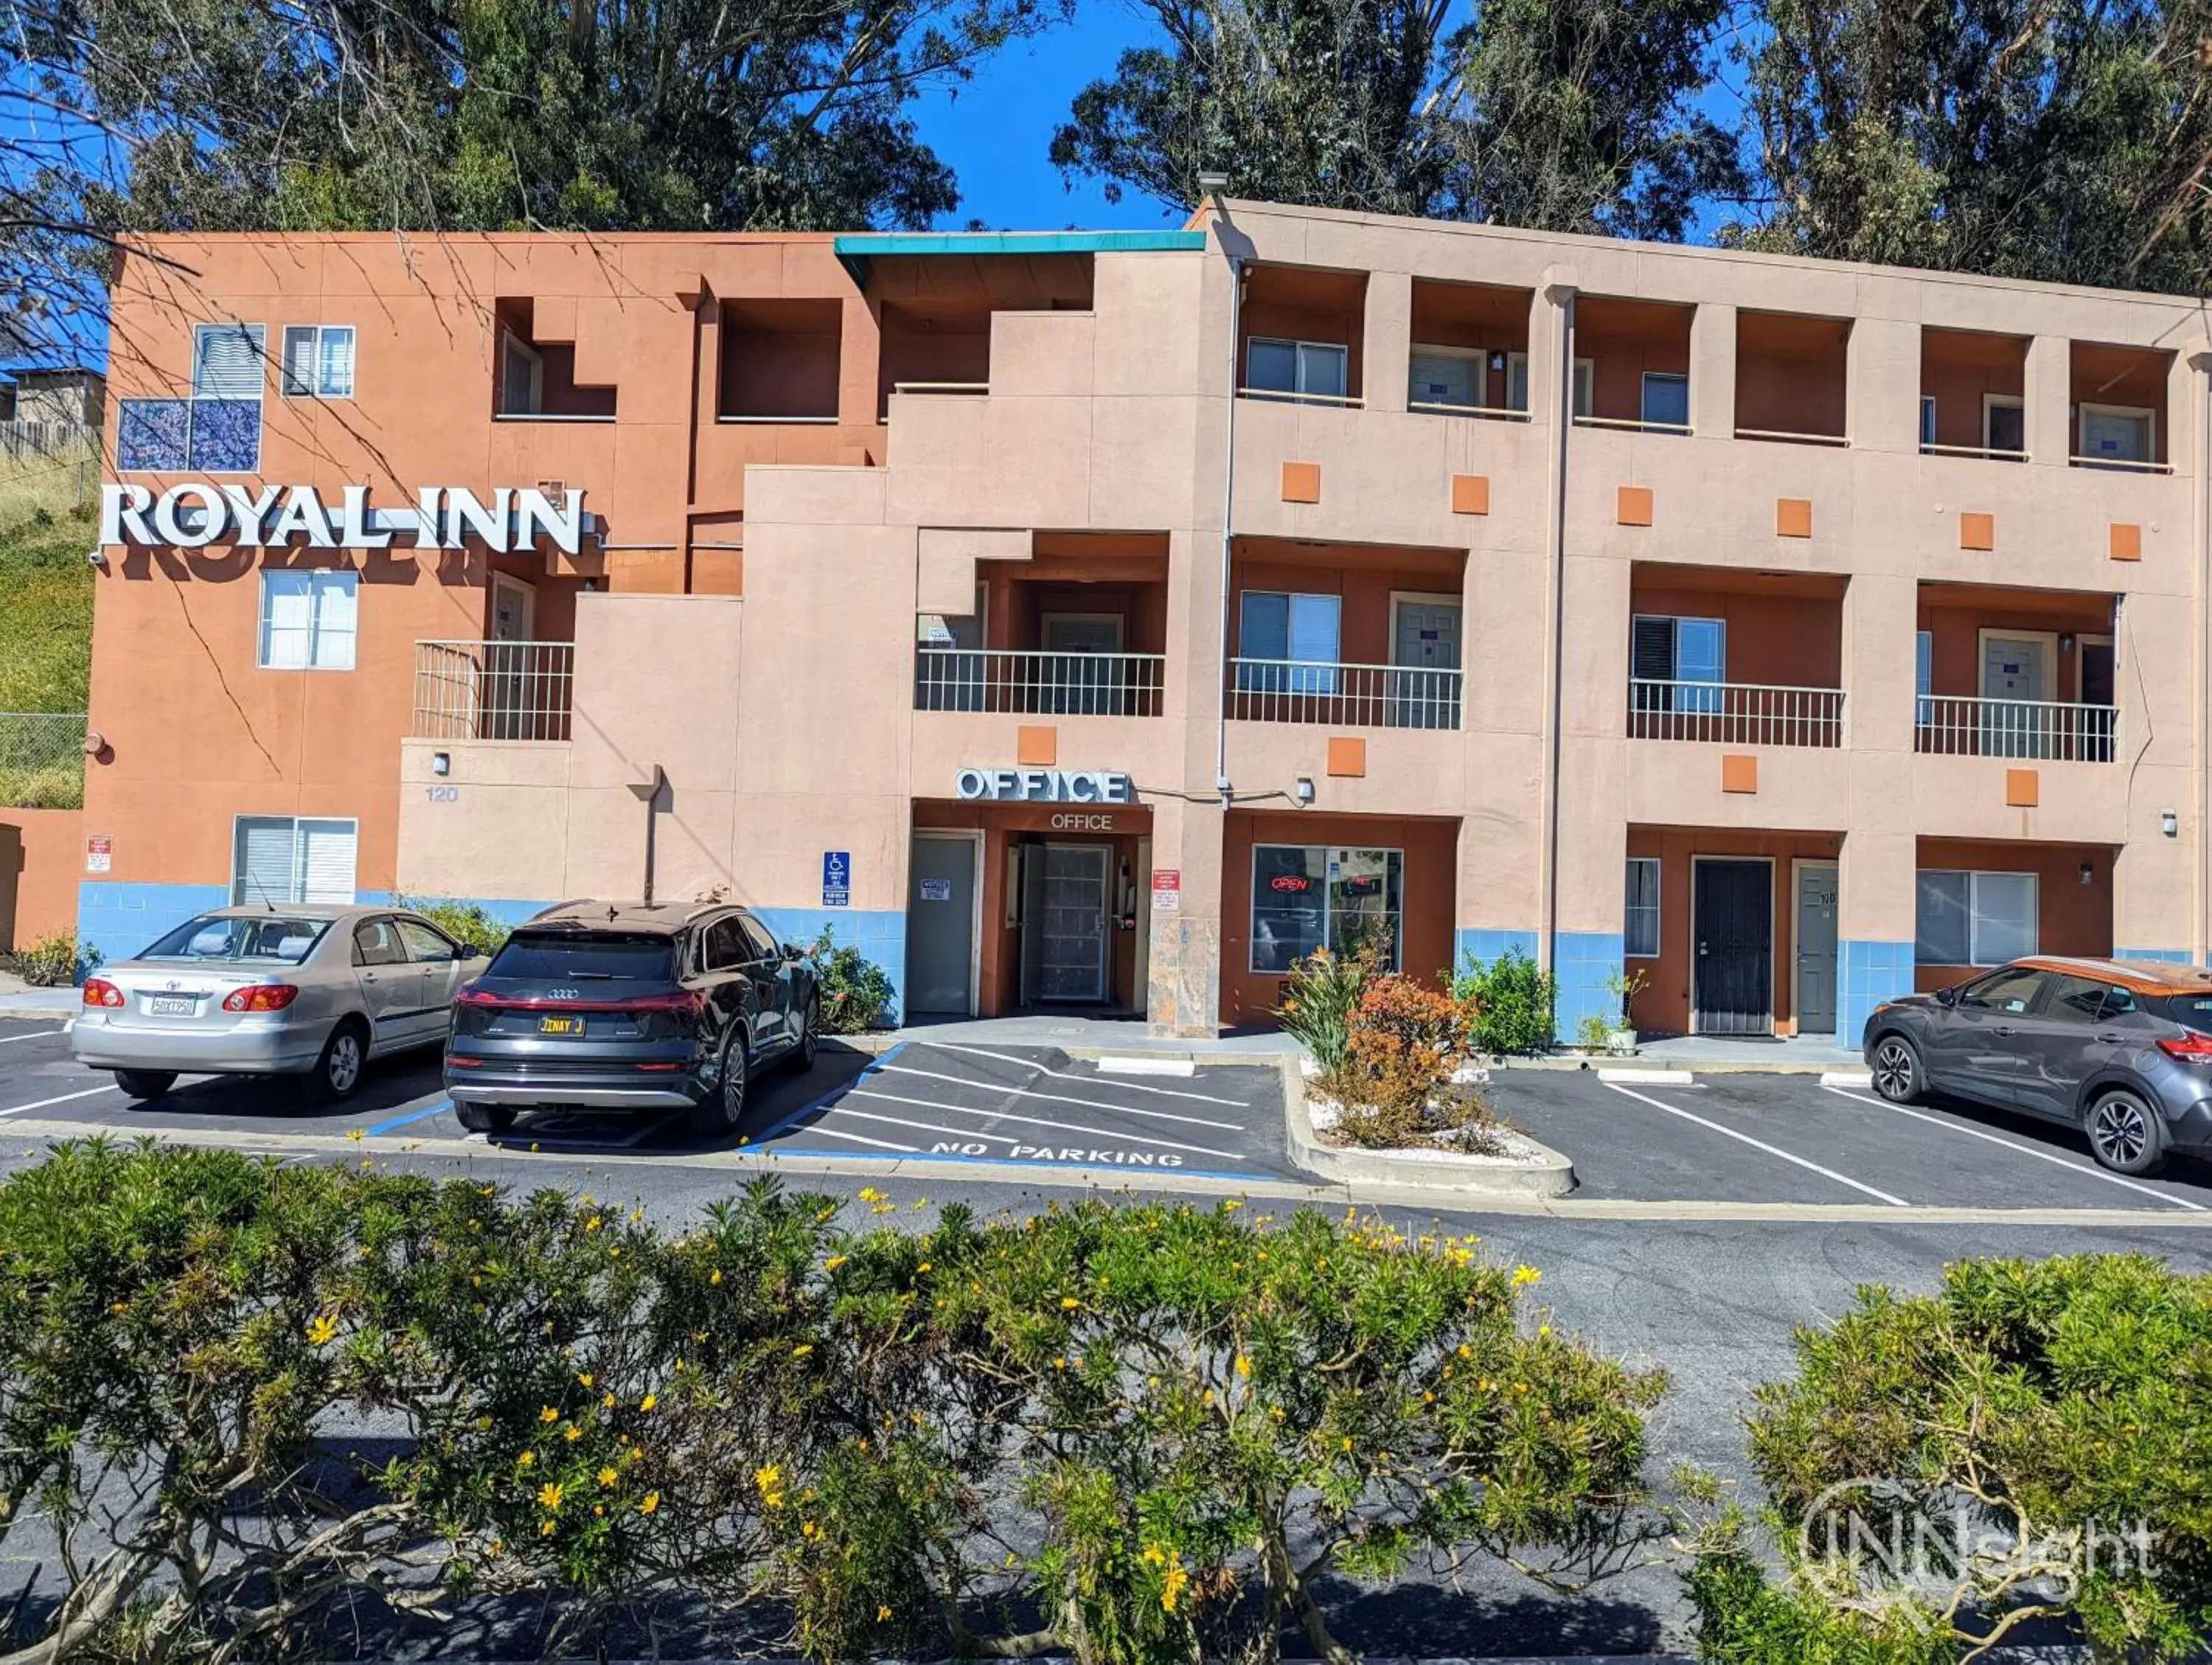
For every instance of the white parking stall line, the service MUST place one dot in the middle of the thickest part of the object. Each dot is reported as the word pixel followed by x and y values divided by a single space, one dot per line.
pixel 1066 1075
pixel 1761 1145
pixel 40 1105
pixel 33 1034
pixel 2087 1169
pixel 1062 1098
pixel 923 1126
pixel 1032 1121
pixel 857 1139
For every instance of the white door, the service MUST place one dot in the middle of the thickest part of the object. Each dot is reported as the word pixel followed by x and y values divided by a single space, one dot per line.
pixel 2016 682
pixel 1088 683
pixel 2115 436
pixel 1442 379
pixel 508 682
pixel 1425 638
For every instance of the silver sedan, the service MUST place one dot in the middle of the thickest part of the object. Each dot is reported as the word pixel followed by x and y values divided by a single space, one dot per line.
pixel 273 990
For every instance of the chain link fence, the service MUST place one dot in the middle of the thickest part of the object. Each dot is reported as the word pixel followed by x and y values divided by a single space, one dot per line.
pixel 41 760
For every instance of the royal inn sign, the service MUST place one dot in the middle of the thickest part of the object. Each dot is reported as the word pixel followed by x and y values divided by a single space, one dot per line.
pixel 192 514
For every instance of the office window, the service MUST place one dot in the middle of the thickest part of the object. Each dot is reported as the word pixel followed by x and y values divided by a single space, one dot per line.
pixel 1666 651
pixel 218 430
pixel 1928 419
pixel 2004 425
pixel 1665 400
pixel 1640 928
pixel 1301 630
pixel 1295 369
pixel 280 858
pixel 521 377
pixel 309 620
pixel 1974 918
pixel 1309 898
pixel 318 361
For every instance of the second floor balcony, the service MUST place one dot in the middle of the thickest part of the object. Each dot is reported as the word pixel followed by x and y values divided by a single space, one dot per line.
pixel 1734 713
pixel 2047 730
pixel 1032 684
pixel 493 690
pixel 1275 690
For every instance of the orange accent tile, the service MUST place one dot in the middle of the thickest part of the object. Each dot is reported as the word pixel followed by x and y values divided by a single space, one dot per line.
pixel 2127 541
pixel 1036 746
pixel 1347 755
pixel 1302 482
pixel 1977 531
pixel 1633 506
pixel 1739 772
pixel 2023 789
pixel 1793 517
pixel 1470 494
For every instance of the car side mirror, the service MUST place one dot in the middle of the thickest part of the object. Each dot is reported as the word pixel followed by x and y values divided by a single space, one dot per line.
pixel 1947 996
pixel 792 951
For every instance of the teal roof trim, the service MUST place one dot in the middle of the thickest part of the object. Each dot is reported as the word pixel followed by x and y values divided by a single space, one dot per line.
pixel 855 249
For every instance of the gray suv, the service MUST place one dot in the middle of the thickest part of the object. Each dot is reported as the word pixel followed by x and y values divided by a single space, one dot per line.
pixel 2120 1048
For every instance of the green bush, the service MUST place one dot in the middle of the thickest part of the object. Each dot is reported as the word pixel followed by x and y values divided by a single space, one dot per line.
pixel 464 921
pixel 2047 1411
pixel 1319 997
pixel 54 962
pixel 1511 1000
pixel 855 991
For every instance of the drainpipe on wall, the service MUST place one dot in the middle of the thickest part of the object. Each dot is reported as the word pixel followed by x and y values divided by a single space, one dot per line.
pixel 2200 928
pixel 1562 296
pixel 1228 534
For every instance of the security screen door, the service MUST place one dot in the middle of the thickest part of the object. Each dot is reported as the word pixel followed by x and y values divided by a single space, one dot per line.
pixel 1732 943
pixel 1064 954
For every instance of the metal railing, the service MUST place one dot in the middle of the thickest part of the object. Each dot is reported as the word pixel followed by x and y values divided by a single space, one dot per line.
pixel 493 690
pixel 42 760
pixel 1353 696
pixel 2046 730
pixel 1029 683
pixel 1734 713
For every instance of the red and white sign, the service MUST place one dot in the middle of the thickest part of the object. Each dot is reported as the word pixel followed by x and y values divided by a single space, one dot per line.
pixel 98 853
pixel 1167 890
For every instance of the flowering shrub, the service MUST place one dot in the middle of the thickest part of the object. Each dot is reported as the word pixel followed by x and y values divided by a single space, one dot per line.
pixel 855 991
pixel 53 962
pixel 1319 997
pixel 1394 1086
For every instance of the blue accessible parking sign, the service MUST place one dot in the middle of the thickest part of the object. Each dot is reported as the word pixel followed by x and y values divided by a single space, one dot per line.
pixel 836 878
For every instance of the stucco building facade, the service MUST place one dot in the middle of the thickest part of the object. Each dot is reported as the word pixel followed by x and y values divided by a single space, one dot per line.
pixel 1107 618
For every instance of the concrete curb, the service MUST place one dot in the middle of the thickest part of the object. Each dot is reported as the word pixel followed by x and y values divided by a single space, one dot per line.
pixel 42 1009
pixel 1672 1066
pixel 1551 1176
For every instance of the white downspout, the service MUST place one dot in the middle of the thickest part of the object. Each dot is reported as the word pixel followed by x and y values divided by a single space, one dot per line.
pixel 1228 536
pixel 2200 926
pixel 1555 554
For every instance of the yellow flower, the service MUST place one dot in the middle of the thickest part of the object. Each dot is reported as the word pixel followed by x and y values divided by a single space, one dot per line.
pixel 807 1529
pixel 585 1380
pixel 592 1223
pixel 572 1433
pixel 834 1262
pixel 549 1495
pixel 923 1267
pixel 802 1350
pixel 1525 1275
pixel 608 1477
pixel 1155 1554
pixel 650 1502
pixel 765 1478
pixel 648 1401
pixel 882 1613
pixel 525 1459
pixel 548 1414
pixel 547 1529
pixel 1172 1582
pixel 606 1402
pixel 717 1278
pixel 1069 1303
pixel 323 1330
pixel 869 1193
pixel 1243 1365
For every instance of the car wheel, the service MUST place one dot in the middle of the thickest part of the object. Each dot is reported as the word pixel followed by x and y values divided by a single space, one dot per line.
pixel 484 1118
pixel 810 1037
pixel 145 1084
pixel 2125 1135
pixel 712 1117
pixel 343 1062
pixel 1897 1074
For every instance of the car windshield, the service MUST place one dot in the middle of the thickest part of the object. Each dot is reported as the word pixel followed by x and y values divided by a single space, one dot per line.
pixel 281 938
pixel 586 956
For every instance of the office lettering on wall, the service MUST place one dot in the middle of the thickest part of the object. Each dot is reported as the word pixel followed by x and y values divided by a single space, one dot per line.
pixel 194 513
pixel 1043 785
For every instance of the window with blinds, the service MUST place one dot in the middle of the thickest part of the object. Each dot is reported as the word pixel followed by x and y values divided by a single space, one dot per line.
pixel 1665 653
pixel 226 361
pixel 309 620
pixel 318 361
pixel 282 860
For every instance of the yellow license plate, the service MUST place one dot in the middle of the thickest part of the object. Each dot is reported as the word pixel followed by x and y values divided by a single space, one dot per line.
pixel 559 1026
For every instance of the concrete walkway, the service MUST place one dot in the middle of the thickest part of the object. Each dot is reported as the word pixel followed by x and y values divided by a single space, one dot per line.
pixel 1083 1032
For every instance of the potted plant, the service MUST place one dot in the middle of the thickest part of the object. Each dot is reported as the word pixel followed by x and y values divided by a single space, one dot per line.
pixel 1624 986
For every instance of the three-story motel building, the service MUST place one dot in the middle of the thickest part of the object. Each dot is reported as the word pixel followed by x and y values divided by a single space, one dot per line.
pixel 1103 620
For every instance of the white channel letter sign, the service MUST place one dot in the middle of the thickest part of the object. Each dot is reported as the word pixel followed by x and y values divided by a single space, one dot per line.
pixel 1044 786
pixel 194 513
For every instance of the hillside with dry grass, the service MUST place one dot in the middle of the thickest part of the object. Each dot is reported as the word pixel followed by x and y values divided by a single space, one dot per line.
pixel 46 624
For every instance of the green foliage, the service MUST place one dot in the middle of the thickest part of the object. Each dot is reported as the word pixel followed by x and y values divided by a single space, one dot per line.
pixel 54 962
pixel 464 921
pixel 46 600
pixel 1319 996
pixel 855 991
pixel 2020 137
pixel 1114 1419
pixel 1592 1032
pixel 2058 1404
pixel 1511 1001
pixel 1568 115
pixel 1746 1618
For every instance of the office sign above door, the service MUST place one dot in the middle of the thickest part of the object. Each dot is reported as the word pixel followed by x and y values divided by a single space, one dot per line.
pixel 1043 785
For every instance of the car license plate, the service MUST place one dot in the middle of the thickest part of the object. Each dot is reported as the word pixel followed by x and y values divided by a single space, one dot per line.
pixel 559 1026
pixel 172 1006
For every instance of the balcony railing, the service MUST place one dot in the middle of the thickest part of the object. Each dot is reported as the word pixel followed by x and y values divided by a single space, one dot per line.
pixel 1029 683
pixel 1346 695
pixel 2046 730
pixel 493 690
pixel 1734 713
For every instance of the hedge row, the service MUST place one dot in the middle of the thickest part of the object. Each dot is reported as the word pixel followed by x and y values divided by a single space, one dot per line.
pixel 249 1399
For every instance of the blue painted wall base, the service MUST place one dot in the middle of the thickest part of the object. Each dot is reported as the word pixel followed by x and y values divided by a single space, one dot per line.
pixel 1867 974
pixel 121 919
pixel 879 934
pixel 2161 956
pixel 1584 962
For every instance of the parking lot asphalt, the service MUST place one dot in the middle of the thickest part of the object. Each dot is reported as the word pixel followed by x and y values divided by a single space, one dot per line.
pixel 1787 1139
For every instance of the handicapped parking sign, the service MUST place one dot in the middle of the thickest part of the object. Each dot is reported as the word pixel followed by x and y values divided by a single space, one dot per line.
pixel 836 878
